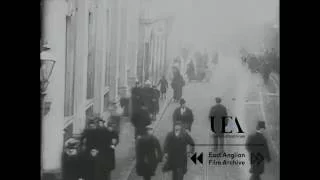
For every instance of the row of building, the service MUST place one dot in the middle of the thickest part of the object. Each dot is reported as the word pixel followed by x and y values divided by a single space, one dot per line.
pixel 100 47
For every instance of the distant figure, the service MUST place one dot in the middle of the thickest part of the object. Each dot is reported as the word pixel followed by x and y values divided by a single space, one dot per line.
pixel 175 152
pixel 148 153
pixel 177 84
pixel 163 87
pixel 155 101
pixel 218 111
pixel 191 72
pixel 257 147
pixel 136 98
pixel 147 94
pixel 184 115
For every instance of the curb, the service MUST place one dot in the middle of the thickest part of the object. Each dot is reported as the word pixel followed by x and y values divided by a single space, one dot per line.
pixel 154 125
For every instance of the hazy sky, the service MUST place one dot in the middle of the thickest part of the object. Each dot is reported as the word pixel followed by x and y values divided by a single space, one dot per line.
pixel 206 22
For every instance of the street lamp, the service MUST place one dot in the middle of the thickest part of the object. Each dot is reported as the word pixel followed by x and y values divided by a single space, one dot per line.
pixel 47 63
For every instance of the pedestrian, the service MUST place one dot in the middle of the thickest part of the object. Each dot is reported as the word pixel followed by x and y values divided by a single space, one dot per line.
pixel 141 120
pixel 136 96
pixel 71 162
pixel 89 142
pixel 184 115
pixel 163 87
pixel 257 147
pixel 191 71
pixel 88 136
pixel 101 157
pixel 111 140
pixel 177 84
pixel 218 113
pixel 147 95
pixel 148 153
pixel 175 152
pixel 155 101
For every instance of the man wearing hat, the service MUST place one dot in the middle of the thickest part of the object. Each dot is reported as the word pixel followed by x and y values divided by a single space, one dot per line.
pixel 136 97
pixel 71 164
pixel 176 151
pixel 90 143
pixel 148 153
pixel 257 147
pixel 184 115
pixel 140 120
pixel 218 112
pixel 107 141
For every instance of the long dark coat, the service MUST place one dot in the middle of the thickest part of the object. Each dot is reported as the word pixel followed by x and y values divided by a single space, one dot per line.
pixel 148 153
pixel 136 99
pixel 177 84
pixel 155 100
pixel 147 94
pixel 218 111
pixel 90 140
pixel 71 167
pixel 106 153
pixel 176 148
pixel 163 85
pixel 257 147
pixel 186 118
pixel 140 120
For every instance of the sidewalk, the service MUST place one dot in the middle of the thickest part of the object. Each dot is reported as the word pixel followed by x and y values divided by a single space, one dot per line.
pixel 125 151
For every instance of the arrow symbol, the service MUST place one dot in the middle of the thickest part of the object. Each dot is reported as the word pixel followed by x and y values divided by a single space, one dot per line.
pixel 194 158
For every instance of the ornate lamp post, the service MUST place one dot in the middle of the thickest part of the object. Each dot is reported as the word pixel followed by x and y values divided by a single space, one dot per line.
pixel 47 63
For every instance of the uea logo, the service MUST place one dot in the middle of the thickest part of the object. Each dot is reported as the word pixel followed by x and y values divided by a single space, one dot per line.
pixel 223 130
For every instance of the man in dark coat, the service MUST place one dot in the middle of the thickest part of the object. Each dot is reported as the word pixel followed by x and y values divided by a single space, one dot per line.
pixel 71 162
pixel 140 120
pixel 175 152
pixel 177 84
pixel 259 152
pixel 147 95
pixel 155 99
pixel 219 113
pixel 89 142
pixel 136 94
pixel 148 153
pixel 184 115
pixel 163 87
pixel 107 140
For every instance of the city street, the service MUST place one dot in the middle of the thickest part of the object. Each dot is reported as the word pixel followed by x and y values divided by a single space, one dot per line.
pixel 240 94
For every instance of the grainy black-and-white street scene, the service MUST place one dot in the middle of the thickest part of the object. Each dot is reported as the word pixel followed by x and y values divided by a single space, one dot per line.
pixel 160 90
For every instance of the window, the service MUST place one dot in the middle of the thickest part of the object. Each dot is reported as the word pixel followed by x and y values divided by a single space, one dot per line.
pixel 108 61
pixel 91 62
pixel 70 66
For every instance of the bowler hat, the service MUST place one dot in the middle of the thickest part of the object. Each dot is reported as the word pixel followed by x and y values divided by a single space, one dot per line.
pixel 182 101
pixel 261 125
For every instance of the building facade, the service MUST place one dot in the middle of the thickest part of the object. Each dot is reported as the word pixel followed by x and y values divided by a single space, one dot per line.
pixel 153 36
pixel 96 54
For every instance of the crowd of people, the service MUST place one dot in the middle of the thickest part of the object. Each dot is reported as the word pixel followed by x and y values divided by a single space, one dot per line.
pixel 92 157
